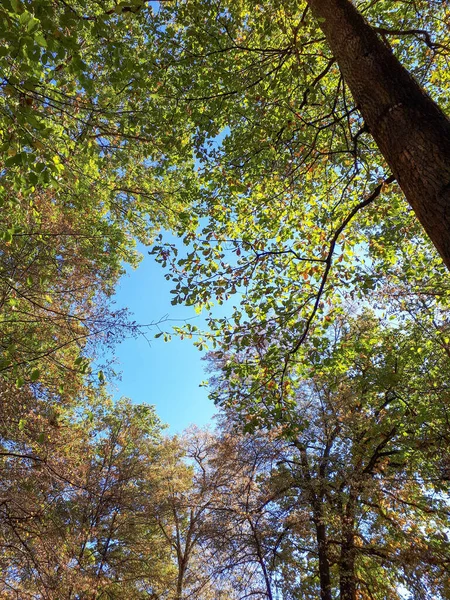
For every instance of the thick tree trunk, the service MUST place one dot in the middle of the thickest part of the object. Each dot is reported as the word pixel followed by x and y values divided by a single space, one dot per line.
pixel 411 131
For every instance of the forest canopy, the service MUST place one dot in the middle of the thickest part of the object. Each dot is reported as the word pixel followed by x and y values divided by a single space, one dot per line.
pixel 300 152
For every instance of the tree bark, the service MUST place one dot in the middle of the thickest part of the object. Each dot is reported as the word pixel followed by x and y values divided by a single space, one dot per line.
pixel 411 131
pixel 347 582
pixel 319 524
pixel 324 564
pixel 261 561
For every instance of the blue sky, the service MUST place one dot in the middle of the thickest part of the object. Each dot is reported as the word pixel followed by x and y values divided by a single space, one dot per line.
pixel 164 374
pixel 167 375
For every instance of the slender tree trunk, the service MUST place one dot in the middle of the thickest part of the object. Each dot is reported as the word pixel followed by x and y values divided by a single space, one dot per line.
pixel 319 524
pixel 411 131
pixel 324 565
pixel 261 561
pixel 347 583
pixel 180 581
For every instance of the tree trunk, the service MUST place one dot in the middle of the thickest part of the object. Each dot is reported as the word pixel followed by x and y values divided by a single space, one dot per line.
pixel 261 561
pixel 180 582
pixel 411 131
pixel 347 583
pixel 319 524
pixel 324 565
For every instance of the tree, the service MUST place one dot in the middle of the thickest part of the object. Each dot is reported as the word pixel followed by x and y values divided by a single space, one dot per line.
pixel 78 497
pixel 211 513
pixel 245 525
pixel 82 178
pixel 411 131
pixel 298 210
pixel 361 499
pixel 190 490
pixel 56 280
pixel 358 462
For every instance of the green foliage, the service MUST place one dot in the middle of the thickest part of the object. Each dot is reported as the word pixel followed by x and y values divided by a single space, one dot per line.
pixel 298 213
pixel 87 153
pixel 232 125
pixel 363 454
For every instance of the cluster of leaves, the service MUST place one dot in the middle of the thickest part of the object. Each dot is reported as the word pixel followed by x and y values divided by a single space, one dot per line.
pixel 86 154
pixel 349 496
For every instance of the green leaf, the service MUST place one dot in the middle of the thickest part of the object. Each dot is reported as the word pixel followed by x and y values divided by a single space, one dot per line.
pixel 16 6
pixel 32 23
pixel 25 17
pixel 41 40
pixel 35 374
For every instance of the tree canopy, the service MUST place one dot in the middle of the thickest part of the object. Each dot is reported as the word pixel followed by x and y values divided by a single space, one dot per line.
pixel 300 152
pixel 296 211
pixel 84 176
